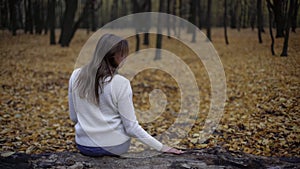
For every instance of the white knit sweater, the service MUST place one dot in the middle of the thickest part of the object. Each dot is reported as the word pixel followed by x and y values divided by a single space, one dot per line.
pixel 113 122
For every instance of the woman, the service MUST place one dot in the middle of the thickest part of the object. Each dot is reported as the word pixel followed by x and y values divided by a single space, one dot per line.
pixel 100 103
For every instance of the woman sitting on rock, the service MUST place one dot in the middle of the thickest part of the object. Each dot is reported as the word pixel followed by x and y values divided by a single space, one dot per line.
pixel 100 103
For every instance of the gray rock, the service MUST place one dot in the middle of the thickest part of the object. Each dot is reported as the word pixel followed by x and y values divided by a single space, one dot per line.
pixel 212 158
pixel 77 165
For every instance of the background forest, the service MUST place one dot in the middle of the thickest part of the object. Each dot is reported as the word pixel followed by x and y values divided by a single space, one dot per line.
pixel 258 42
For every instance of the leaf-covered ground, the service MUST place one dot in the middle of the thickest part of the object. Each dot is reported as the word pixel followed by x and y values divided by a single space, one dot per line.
pixel 261 115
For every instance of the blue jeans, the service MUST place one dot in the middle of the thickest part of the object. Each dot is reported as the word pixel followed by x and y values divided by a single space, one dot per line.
pixel 105 151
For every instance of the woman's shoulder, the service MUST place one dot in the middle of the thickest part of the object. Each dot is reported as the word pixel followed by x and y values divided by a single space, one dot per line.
pixel 75 73
pixel 119 80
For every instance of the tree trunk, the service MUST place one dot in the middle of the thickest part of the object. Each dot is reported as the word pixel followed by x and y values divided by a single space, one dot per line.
pixel 68 21
pixel 146 35
pixel 159 31
pixel 287 29
pixel 245 12
pixel 84 14
pixel 180 15
pixel 174 13
pixel 4 14
pixel 137 45
pixel 192 18
pixel 124 8
pixel 214 157
pixel 136 9
pixel 51 17
pixel 279 18
pixel 38 25
pixel 168 18
pixel 253 16
pixel 199 13
pixel 19 15
pixel 208 19
pixel 270 26
pixel 93 16
pixel 225 22
pixel 294 20
pixel 45 18
pixel 13 17
pixel 239 11
pixel 233 13
pixel 114 10
pixel 259 20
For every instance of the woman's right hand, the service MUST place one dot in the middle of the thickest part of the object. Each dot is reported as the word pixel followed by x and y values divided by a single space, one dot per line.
pixel 167 149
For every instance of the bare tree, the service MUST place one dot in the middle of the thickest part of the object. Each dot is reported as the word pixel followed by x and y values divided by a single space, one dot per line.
pixel 259 20
pixel 192 18
pixel 288 26
pixel 252 15
pixel 159 32
pixel 148 8
pixel 233 13
pixel 295 14
pixel 271 26
pixel 68 22
pixel 51 17
pixel 70 26
pixel 13 16
pixel 208 19
pixel 225 22
pixel 278 8
pixel 3 14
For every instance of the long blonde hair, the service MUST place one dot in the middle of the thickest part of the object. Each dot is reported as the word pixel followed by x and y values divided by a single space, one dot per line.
pixel 92 76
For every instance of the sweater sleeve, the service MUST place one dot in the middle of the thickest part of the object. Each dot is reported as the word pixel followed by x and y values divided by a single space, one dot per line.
pixel 128 117
pixel 71 103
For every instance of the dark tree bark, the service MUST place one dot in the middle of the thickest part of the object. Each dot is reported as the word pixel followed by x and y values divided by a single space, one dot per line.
pixel 68 21
pixel 233 13
pixel 174 13
pixel 13 16
pixel 245 12
pixel 159 31
pixel 38 22
pixel 19 15
pixel 214 157
pixel 270 26
pixel 208 19
pixel 137 45
pixel 252 15
pixel 180 15
pixel 84 14
pixel 294 19
pixel 239 15
pixel 28 17
pixel 114 9
pixel 124 8
pixel 287 29
pixel 279 17
pixel 148 8
pixel 259 20
pixel 93 16
pixel 225 22
pixel 199 13
pixel 192 18
pixel 136 9
pixel 4 14
pixel 168 18
pixel 51 17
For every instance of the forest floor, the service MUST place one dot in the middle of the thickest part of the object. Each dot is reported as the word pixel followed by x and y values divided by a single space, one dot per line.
pixel 261 115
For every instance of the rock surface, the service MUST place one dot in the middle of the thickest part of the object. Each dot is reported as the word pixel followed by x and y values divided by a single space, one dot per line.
pixel 214 158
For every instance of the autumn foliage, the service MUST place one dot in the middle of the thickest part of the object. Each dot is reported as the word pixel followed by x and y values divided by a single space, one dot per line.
pixel 261 115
